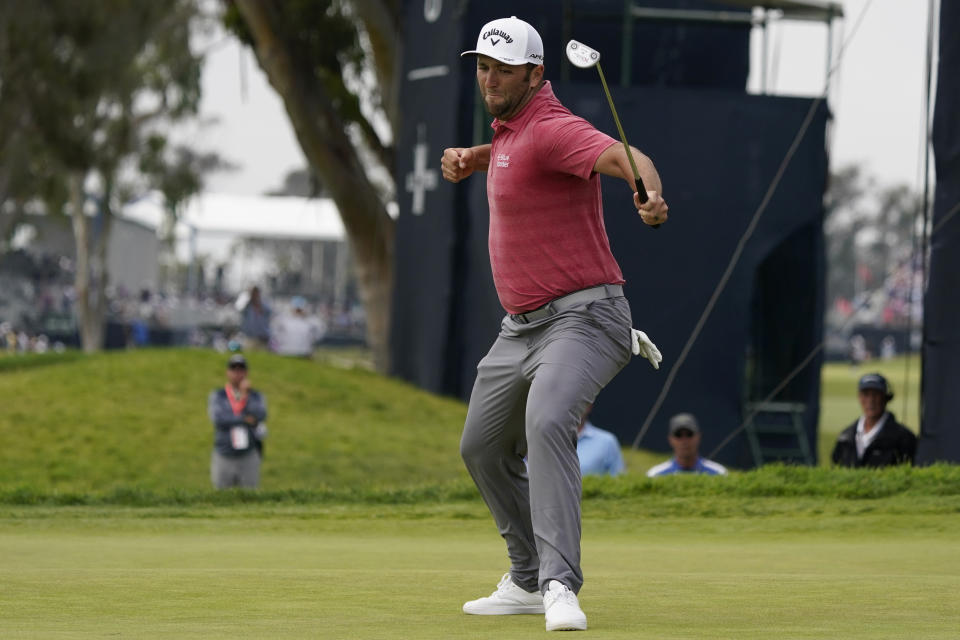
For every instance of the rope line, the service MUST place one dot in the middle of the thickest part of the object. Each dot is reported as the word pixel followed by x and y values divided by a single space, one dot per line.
pixel 947 216
pixel 729 270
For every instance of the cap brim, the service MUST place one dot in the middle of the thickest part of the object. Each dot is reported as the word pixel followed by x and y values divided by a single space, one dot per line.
pixel 516 62
pixel 688 427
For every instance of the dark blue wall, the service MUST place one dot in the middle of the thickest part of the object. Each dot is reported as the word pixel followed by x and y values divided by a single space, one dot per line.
pixel 940 423
pixel 717 151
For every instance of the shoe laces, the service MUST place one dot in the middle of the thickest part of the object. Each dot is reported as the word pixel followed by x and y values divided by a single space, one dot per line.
pixel 503 586
pixel 564 594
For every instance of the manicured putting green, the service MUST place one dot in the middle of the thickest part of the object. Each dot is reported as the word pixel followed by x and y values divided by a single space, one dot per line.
pixel 366 572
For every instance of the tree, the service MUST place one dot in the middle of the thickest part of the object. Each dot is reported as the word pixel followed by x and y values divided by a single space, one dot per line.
pixel 844 204
pixel 869 231
pixel 90 88
pixel 315 53
pixel 178 173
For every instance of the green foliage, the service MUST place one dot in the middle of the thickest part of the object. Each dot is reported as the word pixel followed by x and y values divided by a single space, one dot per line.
pixel 869 231
pixel 937 487
pixel 86 90
pixel 322 37
pixel 91 77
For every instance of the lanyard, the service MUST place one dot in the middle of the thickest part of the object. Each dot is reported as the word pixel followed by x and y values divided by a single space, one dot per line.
pixel 237 404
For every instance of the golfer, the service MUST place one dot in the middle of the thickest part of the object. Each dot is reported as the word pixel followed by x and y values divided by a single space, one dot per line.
pixel 567 331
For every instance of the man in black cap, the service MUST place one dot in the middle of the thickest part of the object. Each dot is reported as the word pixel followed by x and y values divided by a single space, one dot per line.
pixel 683 434
pixel 876 439
pixel 238 413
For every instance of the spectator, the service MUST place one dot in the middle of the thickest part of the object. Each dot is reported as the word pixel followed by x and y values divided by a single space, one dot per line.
pixel 598 450
pixel 255 322
pixel 684 438
pixel 858 350
pixel 238 413
pixel 294 333
pixel 888 348
pixel 876 439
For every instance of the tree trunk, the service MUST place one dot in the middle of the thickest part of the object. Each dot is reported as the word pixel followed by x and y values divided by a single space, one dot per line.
pixel 81 277
pixel 381 17
pixel 322 135
pixel 100 275
pixel 88 310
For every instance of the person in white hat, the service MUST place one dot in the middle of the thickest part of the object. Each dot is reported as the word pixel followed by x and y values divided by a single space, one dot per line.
pixel 567 331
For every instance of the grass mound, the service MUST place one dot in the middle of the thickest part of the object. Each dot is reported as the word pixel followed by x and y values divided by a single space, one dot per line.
pixel 130 429
pixel 115 420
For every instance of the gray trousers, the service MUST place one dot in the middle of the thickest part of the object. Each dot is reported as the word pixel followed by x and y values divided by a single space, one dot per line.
pixel 241 471
pixel 530 393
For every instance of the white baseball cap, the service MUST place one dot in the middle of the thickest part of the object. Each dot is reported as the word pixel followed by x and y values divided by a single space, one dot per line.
pixel 509 40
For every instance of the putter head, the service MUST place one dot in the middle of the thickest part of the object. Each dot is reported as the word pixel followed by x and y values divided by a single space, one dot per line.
pixel 581 55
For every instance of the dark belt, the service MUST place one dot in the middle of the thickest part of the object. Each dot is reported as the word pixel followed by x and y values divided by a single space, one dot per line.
pixel 568 301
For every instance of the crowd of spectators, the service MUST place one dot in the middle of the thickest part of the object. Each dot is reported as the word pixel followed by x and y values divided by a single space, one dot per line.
pixel 40 317
pixel 38 312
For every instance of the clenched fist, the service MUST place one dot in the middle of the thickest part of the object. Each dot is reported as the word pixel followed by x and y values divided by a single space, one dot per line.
pixel 654 210
pixel 458 163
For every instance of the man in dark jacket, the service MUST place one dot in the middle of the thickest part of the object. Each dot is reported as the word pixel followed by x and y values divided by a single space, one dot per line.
pixel 876 439
pixel 238 413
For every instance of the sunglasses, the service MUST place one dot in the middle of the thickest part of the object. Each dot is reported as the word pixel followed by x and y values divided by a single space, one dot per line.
pixel 683 433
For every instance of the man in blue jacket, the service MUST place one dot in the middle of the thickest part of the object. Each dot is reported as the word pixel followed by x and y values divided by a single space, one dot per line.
pixel 684 438
pixel 238 413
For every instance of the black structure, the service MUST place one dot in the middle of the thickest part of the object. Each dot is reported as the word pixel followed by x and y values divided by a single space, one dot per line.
pixel 717 149
pixel 940 421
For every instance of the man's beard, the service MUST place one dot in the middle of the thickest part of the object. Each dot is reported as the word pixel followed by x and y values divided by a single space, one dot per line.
pixel 501 109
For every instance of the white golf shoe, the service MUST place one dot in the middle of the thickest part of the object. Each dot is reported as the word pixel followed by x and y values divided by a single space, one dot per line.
pixel 563 609
pixel 508 599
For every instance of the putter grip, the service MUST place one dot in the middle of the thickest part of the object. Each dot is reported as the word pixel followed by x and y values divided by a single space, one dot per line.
pixel 642 194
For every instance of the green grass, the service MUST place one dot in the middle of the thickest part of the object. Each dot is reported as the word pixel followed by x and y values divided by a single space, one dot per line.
pixel 138 419
pixel 699 492
pixel 359 572
pixel 368 527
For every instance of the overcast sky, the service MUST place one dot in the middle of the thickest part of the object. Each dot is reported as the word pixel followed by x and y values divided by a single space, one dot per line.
pixel 877 97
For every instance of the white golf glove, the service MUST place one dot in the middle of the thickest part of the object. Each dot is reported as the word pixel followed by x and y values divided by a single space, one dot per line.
pixel 643 346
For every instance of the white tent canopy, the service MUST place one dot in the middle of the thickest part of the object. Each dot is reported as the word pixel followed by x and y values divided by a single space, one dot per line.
pixel 215 225
pixel 246 216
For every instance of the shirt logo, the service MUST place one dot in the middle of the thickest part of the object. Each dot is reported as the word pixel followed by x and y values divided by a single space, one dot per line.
pixel 503 160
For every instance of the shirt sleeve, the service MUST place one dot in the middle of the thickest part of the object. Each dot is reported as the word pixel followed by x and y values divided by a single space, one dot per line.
pixel 571 145
pixel 257 405
pixel 220 412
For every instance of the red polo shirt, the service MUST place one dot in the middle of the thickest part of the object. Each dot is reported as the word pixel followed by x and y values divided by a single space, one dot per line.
pixel 547 237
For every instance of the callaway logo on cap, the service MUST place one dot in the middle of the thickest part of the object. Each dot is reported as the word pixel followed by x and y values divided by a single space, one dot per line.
pixel 509 40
